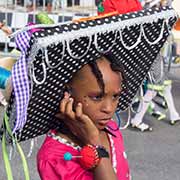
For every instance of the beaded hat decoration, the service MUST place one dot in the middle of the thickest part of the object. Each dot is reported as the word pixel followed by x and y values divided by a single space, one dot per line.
pixel 56 52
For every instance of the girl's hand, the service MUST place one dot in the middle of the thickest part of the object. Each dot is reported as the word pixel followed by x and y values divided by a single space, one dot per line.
pixel 79 123
pixel 5 29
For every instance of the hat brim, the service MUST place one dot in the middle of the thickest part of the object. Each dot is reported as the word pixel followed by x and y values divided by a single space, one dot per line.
pixel 57 52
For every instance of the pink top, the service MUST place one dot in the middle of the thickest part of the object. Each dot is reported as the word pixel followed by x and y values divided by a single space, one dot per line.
pixel 52 166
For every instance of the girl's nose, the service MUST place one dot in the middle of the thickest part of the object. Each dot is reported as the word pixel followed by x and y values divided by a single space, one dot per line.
pixel 108 106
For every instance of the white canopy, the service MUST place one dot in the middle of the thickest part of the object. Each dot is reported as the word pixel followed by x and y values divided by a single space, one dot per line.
pixel 176 5
pixel 4 2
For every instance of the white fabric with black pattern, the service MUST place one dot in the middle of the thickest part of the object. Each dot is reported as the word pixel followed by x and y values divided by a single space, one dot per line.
pixel 46 97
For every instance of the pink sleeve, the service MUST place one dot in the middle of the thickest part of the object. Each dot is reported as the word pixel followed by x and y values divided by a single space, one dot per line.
pixel 53 170
pixel 47 171
pixel 52 166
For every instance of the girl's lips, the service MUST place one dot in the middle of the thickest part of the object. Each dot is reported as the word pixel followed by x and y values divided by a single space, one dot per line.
pixel 103 122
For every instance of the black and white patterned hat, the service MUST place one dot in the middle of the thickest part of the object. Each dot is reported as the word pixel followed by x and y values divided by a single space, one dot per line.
pixel 57 52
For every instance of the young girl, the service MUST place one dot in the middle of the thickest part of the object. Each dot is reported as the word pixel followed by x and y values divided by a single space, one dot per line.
pixel 86 112
pixel 69 80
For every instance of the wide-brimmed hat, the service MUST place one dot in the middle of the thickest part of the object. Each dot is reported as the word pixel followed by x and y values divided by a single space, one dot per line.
pixel 55 53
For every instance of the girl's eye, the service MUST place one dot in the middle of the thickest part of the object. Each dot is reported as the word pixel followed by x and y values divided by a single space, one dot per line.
pixel 116 96
pixel 96 98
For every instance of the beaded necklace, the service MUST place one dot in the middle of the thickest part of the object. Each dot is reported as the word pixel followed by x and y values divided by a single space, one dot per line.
pixel 63 140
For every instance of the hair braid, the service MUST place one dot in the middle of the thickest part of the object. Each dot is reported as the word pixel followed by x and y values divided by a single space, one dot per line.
pixel 117 66
pixel 98 74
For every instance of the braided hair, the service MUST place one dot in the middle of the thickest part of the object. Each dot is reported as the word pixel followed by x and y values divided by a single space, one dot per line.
pixel 95 70
pixel 117 67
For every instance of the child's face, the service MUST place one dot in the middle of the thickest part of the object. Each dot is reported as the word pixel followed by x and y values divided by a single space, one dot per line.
pixel 85 89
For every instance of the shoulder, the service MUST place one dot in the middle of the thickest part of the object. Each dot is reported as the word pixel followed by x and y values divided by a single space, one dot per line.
pixel 112 124
pixel 51 163
pixel 53 148
pixel 117 135
pixel 113 127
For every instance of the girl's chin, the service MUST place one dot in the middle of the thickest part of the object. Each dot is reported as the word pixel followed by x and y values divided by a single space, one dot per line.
pixel 101 126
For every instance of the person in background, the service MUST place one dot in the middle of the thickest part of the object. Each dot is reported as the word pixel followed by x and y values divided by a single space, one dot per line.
pixel 163 89
pixel 49 6
pixel 5 29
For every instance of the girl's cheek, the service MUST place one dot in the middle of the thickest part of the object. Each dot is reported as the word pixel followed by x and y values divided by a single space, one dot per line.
pixel 85 101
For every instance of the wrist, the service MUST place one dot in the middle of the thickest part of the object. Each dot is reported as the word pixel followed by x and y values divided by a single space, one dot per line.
pixel 95 139
pixel 91 155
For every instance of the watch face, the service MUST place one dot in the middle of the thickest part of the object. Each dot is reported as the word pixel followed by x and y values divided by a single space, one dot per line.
pixel 102 152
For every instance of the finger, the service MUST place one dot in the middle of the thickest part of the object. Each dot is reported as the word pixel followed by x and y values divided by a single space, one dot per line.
pixel 80 115
pixel 78 110
pixel 64 102
pixel 68 109
pixel 60 116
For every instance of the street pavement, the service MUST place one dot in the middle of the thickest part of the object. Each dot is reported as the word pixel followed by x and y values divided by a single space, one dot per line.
pixel 152 155
pixel 156 155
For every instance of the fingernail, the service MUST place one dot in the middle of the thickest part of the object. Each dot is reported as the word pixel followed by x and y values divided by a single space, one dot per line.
pixel 59 115
pixel 79 104
pixel 66 95
pixel 70 99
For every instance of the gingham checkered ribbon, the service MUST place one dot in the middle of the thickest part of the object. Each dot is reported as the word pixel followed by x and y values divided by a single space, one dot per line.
pixel 20 80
